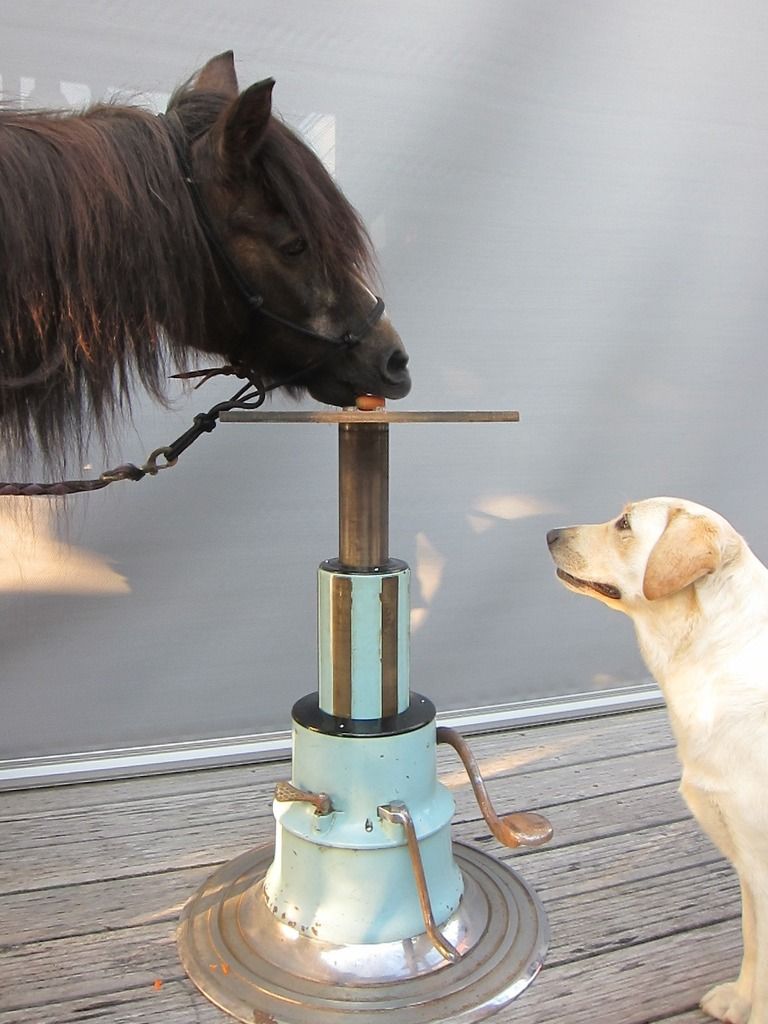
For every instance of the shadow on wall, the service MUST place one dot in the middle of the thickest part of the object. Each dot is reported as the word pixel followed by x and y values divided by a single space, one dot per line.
pixel 486 512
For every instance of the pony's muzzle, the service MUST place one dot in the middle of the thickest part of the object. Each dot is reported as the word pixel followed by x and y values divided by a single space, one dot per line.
pixel 394 372
pixel 395 369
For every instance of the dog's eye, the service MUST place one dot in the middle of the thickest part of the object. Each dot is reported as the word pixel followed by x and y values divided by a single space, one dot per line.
pixel 622 523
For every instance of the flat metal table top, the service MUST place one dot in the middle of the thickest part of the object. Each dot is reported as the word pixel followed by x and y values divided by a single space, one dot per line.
pixel 374 416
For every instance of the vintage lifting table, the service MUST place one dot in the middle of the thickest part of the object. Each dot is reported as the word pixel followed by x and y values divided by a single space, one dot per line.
pixel 364 907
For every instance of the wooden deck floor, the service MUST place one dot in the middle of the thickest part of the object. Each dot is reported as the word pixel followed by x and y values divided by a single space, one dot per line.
pixel 644 913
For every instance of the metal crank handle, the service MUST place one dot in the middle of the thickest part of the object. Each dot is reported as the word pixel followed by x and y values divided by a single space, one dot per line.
pixel 398 813
pixel 286 792
pixel 521 828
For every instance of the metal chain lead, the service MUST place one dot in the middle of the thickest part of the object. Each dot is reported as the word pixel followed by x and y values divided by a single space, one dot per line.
pixel 250 396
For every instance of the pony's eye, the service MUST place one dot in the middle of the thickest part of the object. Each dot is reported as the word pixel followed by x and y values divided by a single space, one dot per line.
pixel 295 247
pixel 622 523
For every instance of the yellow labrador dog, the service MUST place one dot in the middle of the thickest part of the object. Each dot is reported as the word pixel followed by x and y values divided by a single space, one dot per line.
pixel 698 598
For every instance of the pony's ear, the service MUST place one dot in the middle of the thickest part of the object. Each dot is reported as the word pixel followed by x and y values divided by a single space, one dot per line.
pixel 218 75
pixel 686 551
pixel 244 125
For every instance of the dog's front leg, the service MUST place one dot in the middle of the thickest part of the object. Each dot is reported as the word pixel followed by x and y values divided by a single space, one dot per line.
pixel 730 1001
pixel 733 1000
pixel 760 947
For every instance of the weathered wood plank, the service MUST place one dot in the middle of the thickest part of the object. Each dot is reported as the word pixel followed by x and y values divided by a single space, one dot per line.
pixel 638 911
pixel 618 787
pixel 593 866
pixel 88 965
pixel 44 915
pixel 628 985
pixel 145 836
pixel 695 1016
pixel 582 923
pixel 98 906
pixel 127 811
pixel 176 1002
pixel 539 747
pixel 613 894
pixel 636 985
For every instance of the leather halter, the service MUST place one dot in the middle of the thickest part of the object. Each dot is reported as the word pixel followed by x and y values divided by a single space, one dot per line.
pixel 255 301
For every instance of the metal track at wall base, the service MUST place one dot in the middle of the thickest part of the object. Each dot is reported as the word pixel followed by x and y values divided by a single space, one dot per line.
pixel 259 969
pixel 93 765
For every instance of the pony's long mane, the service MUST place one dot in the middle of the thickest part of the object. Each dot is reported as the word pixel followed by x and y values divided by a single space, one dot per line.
pixel 101 263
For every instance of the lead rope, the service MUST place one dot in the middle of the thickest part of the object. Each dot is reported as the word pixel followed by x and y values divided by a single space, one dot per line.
pixel 250 396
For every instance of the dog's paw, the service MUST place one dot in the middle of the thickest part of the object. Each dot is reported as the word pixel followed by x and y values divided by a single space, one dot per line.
pixel 724 1002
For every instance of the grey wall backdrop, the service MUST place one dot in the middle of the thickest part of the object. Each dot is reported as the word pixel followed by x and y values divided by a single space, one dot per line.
pixel 570 204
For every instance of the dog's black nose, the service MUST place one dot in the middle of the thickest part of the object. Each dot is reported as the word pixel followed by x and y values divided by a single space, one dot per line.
pixel 553 536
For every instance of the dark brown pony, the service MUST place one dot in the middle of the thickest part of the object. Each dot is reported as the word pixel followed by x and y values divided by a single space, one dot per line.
pixel 127 238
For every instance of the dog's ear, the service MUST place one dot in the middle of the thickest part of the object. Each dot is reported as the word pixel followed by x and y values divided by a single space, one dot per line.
pixel 686 551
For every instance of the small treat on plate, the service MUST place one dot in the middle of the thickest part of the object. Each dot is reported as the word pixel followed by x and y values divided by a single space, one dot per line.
pixel 367 403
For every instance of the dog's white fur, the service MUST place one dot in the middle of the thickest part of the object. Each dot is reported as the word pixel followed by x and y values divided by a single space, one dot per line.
pixel 698 598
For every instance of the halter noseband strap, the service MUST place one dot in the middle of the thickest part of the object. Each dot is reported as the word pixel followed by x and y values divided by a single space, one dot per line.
pixel 348 340
pixel 255 301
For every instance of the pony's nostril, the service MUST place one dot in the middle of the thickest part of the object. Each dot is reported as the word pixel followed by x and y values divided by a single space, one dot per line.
pixel 396 365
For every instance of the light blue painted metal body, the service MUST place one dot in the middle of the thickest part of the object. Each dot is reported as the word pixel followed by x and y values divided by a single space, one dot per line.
pixel 346 877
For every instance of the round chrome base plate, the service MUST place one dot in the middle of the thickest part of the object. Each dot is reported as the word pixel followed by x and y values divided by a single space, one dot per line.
pixel 261 970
